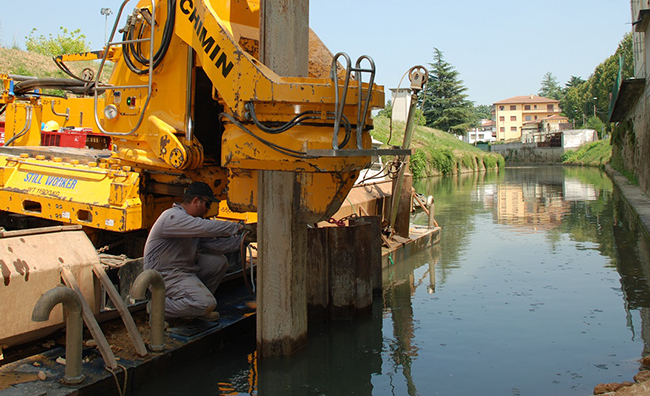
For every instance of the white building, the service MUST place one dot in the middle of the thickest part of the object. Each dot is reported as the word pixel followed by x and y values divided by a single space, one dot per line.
pixel 487 132
pixel 401 103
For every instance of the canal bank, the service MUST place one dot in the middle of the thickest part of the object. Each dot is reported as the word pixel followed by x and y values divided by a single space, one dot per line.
pixel 638 204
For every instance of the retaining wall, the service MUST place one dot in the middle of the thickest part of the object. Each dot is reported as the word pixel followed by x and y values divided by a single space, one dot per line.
pixel 525 153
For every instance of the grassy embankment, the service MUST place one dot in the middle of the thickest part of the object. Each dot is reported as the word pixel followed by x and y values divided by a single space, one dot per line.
pixel 592 154
pixel 15 61
pixel 436 152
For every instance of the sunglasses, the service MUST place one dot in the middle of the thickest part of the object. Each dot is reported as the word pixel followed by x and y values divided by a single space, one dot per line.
pixel 207 202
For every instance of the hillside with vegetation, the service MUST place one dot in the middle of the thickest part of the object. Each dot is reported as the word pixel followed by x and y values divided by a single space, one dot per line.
pixel 25 63
pixel 435 152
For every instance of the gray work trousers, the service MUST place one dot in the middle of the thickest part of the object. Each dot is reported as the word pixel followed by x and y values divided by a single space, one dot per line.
pixel 192 294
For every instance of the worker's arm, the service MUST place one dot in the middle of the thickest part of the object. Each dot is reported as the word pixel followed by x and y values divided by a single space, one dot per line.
pixel 220 245
pixel 179 224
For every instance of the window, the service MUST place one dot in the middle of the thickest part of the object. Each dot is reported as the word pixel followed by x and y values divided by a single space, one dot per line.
pixel 535 107
pixel 502 118
pixel 535 117
pixel 502 108
pixel 513 107
pixel 549 107
pixel 527 118
pixel 502 129
pixel 527 107
pixel 513 129
pixel 513 118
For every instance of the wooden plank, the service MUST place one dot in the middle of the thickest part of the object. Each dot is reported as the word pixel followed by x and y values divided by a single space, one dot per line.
pixel 136 338
pixel 89 319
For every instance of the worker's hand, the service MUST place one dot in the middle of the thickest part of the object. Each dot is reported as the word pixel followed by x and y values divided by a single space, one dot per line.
pixel 250 233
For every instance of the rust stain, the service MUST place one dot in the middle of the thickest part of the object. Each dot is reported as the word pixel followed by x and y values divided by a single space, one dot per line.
pixel 22 268
pixel 6 274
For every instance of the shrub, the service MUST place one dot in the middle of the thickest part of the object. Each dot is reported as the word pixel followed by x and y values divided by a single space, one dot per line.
pixel 67 42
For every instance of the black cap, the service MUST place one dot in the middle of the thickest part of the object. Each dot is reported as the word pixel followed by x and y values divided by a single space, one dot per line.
pixel 200 188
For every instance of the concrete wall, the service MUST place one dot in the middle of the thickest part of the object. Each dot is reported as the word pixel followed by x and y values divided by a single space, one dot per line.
pixel 528 153
pixel 631 137
pixel 631 142
pixel 573 140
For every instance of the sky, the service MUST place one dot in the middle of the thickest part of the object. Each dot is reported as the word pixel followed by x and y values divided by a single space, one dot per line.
pixel 500 48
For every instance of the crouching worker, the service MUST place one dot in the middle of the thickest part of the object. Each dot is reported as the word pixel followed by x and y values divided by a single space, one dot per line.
pixel 188 251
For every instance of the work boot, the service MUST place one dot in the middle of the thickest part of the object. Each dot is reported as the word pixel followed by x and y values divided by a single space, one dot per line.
pixel 211 317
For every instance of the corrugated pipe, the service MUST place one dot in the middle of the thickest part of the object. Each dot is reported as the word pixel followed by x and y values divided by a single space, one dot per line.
pixel 73 329
pixel 152 278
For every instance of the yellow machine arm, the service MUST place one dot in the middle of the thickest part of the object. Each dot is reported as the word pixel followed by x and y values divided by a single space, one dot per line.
pixel 188 100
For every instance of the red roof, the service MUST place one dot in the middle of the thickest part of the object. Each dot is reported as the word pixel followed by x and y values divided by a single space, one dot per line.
pixel 527 99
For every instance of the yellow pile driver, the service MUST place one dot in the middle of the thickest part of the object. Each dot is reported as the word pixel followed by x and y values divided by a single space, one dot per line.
pixel 187 100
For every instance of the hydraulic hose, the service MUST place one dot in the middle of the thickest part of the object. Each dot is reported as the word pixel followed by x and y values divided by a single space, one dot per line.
pixel 74 86
pixel 130 49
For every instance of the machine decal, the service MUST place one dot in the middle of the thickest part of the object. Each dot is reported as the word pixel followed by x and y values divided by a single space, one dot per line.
pixel 201 33
pixel 52 181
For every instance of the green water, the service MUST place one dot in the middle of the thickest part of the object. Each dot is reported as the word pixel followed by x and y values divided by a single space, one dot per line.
pixel 538 287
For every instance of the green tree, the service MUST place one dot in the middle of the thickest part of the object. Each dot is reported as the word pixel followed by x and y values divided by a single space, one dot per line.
pixel 591 98
pixel 66 42
pixel 483 112
pixel 574 102
pixel 550 87
pixel 387 111
pixel 573 82
pixel 446 106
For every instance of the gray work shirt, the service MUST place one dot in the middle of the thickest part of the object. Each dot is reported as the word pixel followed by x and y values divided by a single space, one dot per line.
pixel 177 237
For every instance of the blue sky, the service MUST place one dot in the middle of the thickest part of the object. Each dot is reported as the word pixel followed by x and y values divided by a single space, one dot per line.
pixel 501 48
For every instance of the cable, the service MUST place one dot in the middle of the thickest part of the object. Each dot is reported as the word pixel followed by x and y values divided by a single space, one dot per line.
pixel 273 146
pixel 306 115
pixel 74 86
pixel 129 48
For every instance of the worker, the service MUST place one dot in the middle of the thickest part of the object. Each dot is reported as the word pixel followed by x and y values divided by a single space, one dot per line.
pixel 188 251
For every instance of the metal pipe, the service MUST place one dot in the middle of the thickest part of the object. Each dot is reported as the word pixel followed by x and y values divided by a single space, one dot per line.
pixel 408 132
pixel 189 110
pixel 73 329
pixel 152 278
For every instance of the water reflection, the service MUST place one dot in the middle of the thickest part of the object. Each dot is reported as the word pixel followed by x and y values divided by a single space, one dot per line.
pixel 539 280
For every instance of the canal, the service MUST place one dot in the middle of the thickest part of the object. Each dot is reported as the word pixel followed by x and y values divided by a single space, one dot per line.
pixel 539 286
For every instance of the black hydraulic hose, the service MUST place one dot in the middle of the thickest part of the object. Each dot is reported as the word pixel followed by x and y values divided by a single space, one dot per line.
pixel 74 86
pixel 131 50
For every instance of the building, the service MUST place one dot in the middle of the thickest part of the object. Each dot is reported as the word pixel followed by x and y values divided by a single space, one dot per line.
pixel 512 113
pixel 483 134
pixel 401 103
pixel 630 105
pixel 536 131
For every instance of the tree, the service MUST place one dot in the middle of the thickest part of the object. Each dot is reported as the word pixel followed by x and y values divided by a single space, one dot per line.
pixel 67 42
pixel 573 82
pixel 446 106
pixel 483 112
pixel 591 98
pixel 387 111
pixel 550 87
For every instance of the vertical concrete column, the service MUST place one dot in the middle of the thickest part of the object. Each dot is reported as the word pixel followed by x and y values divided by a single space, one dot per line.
pixel 282 242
